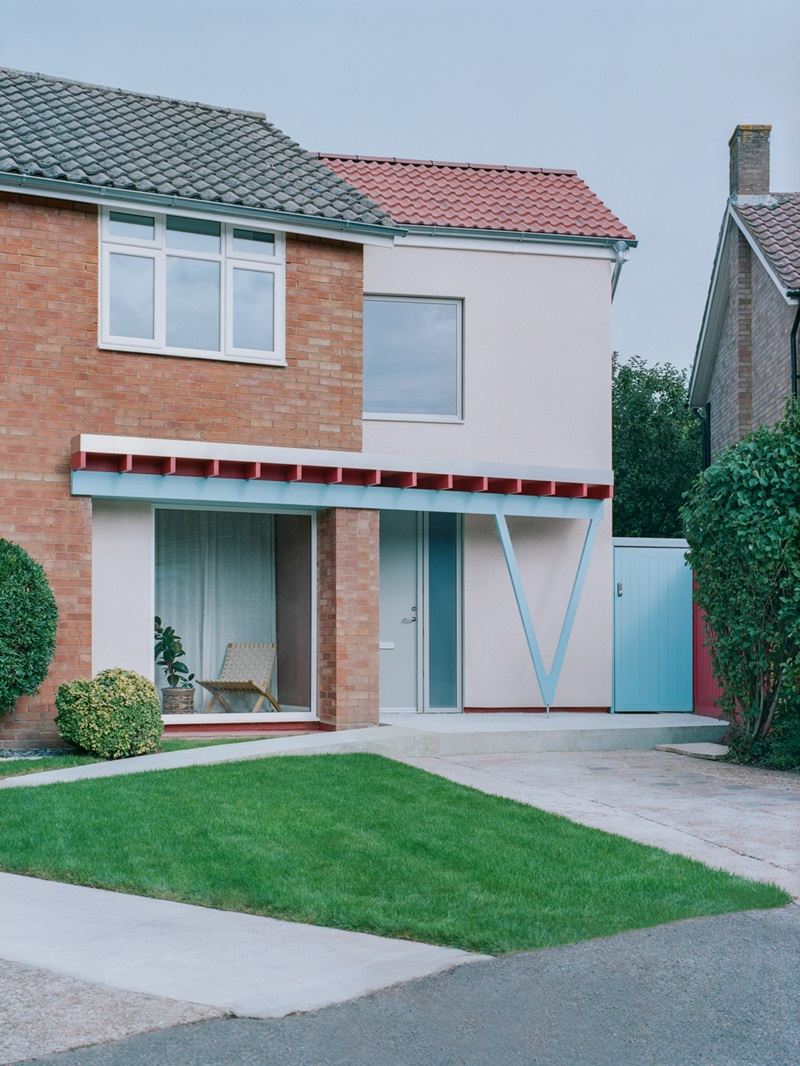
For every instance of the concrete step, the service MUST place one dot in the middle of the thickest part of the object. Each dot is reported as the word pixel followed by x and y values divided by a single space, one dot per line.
pixel 496 734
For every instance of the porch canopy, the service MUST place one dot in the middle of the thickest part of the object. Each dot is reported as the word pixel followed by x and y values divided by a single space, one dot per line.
pixel 209 474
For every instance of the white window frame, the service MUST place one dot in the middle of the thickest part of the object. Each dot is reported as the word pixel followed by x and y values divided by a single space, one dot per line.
pixel 157 250
pixel 458 418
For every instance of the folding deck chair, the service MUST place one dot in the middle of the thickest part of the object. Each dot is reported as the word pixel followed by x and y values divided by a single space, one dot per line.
pixel 247 668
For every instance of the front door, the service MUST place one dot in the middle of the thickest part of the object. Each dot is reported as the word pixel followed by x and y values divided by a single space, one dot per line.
pixel 399 611
pixel 420 639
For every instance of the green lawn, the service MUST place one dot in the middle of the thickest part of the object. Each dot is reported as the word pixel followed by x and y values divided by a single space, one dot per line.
pixel 15 767
pixel 359 842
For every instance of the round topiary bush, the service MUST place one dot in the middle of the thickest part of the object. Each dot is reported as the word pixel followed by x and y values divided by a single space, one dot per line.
pixel 28 619
pixel 114 715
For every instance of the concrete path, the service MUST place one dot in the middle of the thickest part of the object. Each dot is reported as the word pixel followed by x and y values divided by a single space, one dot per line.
pixel 719 991
pixel 737 818
pixel 239 963
pixel 420 735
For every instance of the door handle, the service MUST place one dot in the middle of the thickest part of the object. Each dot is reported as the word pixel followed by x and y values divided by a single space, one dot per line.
pixel 406 620
pixel 619 588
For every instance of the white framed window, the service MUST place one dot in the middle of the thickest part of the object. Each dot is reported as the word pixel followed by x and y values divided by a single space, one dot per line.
pixel 413 358
pixel 184 285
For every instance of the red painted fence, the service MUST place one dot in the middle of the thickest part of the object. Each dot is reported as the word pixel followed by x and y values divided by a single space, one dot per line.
pixel 706 689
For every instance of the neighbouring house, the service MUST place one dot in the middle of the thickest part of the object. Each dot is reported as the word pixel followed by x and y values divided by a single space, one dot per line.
pixel 745 368
pixel 358 407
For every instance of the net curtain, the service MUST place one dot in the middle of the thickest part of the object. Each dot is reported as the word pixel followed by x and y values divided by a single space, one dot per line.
pixel 215 583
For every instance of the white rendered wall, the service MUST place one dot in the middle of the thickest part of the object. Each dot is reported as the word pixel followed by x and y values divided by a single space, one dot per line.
pixel 122 586
pixel 537 391
pixel 497 666
pixel 537 355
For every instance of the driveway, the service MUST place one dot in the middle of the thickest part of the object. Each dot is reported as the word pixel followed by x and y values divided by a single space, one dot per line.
pixel 737 818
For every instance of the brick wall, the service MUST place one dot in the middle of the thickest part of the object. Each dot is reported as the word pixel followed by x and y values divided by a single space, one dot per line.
pixel 750 380
pixel 55 383
pixel 348 615
pixel 772 324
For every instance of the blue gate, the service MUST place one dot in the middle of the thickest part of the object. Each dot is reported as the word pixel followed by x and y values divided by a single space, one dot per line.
pixel 652 626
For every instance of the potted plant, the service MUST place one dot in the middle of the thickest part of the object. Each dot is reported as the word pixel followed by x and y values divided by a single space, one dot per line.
pixel 178 696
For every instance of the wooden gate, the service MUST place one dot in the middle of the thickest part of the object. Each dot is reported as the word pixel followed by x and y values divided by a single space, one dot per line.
pixel 652 626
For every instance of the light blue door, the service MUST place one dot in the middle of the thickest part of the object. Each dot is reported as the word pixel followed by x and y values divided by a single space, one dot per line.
pixel 652 626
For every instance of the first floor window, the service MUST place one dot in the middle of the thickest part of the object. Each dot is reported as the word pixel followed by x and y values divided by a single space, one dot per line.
pixel 192 286
pixel 413 358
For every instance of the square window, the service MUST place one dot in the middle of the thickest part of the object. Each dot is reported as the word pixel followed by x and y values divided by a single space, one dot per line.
pixel 412 358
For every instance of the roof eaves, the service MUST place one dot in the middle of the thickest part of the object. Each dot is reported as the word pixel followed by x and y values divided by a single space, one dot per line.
pixel 515 235
pixel 87 193
pixel 716 298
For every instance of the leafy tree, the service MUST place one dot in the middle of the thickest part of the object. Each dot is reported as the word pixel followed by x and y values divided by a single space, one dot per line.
pixel 742 520
pixel 28 619
pixel 657 447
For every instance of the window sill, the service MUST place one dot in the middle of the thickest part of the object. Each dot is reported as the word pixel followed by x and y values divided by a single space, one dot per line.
pixel 452 420
pixel 184 353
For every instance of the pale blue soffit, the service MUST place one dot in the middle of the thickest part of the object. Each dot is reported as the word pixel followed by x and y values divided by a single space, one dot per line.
pixel 548 682
pixel 235 492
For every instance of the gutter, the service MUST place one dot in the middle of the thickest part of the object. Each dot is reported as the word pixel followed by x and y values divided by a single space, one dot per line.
pixel 513 235
pixel 101 193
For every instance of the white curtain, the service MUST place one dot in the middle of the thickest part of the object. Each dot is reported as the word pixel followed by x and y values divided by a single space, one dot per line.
pixel 215 583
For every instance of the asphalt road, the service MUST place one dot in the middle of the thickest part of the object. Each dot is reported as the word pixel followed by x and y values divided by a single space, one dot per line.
pixel 706 992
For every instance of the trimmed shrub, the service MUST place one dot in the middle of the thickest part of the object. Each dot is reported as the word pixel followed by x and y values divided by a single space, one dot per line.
pixel 742 520
pixel 114 715
pixel 28 619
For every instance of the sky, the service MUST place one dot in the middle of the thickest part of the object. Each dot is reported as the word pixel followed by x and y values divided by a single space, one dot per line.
pixel 639 96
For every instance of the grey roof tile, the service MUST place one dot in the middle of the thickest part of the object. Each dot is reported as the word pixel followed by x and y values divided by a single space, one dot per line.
pixel 88 134
pixel 775 224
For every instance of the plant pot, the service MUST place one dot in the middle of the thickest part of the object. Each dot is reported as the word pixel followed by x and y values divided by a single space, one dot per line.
pixel 177 700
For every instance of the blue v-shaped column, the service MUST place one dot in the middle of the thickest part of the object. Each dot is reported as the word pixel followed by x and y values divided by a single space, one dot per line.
pixel 548 682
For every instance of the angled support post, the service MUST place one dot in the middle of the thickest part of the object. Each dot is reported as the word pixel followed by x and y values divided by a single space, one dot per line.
pixel 548 682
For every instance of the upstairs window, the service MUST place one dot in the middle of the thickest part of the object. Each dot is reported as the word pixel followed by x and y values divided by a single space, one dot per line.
pixel 192 286
pixel 413 358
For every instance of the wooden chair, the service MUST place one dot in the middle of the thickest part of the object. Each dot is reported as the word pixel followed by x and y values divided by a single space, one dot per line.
pixel 247 668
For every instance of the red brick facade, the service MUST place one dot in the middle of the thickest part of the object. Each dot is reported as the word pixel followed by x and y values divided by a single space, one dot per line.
pixel 348 576
pixel 56 382
pixel 750 380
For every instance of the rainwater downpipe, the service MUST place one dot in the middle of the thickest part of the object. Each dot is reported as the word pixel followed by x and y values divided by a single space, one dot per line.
pixel 620 248
pixel 794 294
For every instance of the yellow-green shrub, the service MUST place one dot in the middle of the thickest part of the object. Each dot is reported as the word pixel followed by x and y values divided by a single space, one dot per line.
pixel 114 715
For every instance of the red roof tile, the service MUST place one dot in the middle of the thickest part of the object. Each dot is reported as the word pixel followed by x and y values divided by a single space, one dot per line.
pixel 478 196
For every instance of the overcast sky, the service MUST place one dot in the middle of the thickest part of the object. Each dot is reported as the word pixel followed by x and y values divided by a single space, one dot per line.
pixel 639 96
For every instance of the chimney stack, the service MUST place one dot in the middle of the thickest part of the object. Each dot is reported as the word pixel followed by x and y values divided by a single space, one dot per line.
pixel 749 147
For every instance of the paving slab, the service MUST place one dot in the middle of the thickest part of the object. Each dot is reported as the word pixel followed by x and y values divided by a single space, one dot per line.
pixel 736 818
pixel 242 964
pixel 715 752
